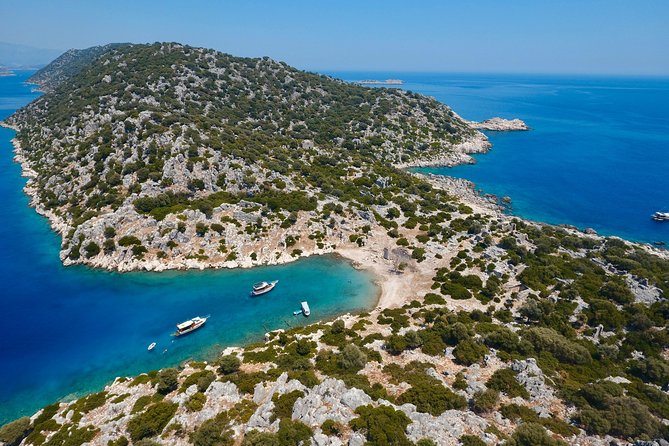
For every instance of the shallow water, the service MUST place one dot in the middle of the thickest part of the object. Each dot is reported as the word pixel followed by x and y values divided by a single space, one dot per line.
pixel 71 330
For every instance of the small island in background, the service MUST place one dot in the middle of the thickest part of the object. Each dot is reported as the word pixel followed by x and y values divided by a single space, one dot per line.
pixel 5 71
pixel 380 82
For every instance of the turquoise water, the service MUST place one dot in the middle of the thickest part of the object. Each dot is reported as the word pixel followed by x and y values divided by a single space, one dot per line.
pixel 597 155
pixel 71 330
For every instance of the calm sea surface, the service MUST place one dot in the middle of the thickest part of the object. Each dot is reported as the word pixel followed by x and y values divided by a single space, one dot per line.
pixel 71 330
pixel 597 155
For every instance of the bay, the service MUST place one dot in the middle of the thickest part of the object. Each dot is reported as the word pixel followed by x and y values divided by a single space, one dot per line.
pixel 68 331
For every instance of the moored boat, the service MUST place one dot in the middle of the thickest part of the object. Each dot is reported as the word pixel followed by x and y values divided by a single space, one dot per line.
pixel 151 346
pixel 305 308
pixel 190 325
pixel 661 216
pixel 263 287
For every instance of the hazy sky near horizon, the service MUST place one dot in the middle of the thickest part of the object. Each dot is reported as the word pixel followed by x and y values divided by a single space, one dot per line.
pixel 529 36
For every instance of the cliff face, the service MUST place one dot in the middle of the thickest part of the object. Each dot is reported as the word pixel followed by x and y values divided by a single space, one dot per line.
pixel 163 156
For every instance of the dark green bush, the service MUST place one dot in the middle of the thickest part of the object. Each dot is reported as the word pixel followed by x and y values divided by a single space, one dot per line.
pixel 228 364
pixel 469 352
pixel 168 380
pixel 382 425
pixel 152 421
pixel 12 433
pixel 532 434
pixel 283 404
pixel 504 380
pixel 564 350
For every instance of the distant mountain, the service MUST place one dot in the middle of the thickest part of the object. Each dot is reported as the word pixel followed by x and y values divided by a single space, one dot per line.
pixel 68 64
pixel 5 71
pixel 15 56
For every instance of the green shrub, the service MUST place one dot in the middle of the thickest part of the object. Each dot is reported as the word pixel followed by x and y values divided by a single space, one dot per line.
pixel 92 249
pixel 430 396
pixel 202 379
pixel 471 440
pixel 168 380
pixel 504 380
pixel 214 432
pixel 381 425
pixel 283 404
pixel 90 402
pixel 196 402
pixel 352 358
pixel 256 438
pixel 228 364
pixel 396 344
pixel 564 350
pixel 152 421
pixel 331 427
pixel 129 240
pixel 652 370
pixel 293 433
pixel 485 401
pixel 469 352
pixel 532 434
pixel 12 433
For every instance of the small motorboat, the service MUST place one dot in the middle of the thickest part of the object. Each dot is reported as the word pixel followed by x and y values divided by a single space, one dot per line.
pixel 151 346
pixel 190 325
pixel 304 309
pixel 263 287
pixel 661 216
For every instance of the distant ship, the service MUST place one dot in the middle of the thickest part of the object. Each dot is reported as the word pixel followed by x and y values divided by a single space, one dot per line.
pixel 190 325
pixel 661 216
pixel 263 287
pixel 378 82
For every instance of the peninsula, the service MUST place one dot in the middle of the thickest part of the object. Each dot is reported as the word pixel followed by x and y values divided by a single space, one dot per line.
pixel 489 330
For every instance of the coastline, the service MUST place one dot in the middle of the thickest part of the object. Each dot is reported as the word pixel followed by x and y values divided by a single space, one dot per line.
pixel 393 287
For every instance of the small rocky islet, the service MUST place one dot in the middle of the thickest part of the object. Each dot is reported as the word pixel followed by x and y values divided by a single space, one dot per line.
pixel 489 330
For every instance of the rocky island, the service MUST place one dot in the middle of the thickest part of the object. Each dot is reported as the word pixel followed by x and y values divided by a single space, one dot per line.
pixel 500 125
pixel 490 329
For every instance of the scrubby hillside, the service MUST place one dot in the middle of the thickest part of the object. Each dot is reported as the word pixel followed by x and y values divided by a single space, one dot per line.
pixel 163 155
pixel 67 65
pixel 490 329
pixel 530 336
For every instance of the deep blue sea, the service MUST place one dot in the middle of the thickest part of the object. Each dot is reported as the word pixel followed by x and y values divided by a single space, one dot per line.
pixel 597 155
pixel 70 330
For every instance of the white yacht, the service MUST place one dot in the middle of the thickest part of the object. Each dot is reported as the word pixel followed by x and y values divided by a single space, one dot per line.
pixel 263 287
pixel 190 325
pixel 661 216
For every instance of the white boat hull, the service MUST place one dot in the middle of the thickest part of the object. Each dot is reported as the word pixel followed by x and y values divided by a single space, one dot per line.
pixel 265 290
pixel 192 328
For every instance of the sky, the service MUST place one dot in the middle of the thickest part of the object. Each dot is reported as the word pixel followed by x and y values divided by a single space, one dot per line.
pixel 512 36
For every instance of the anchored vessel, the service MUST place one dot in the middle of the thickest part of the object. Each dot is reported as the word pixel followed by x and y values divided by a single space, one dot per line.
pixel 661 216
pixel 263 287
pixel 151 346
pixel 190 325
pixel 305 308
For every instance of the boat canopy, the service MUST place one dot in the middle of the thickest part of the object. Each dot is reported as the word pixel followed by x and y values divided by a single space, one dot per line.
pixel 259 285
pixel 184 325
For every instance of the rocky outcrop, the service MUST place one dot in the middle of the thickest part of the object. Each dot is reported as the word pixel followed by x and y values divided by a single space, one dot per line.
pixel 329 400
pixel 500 125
